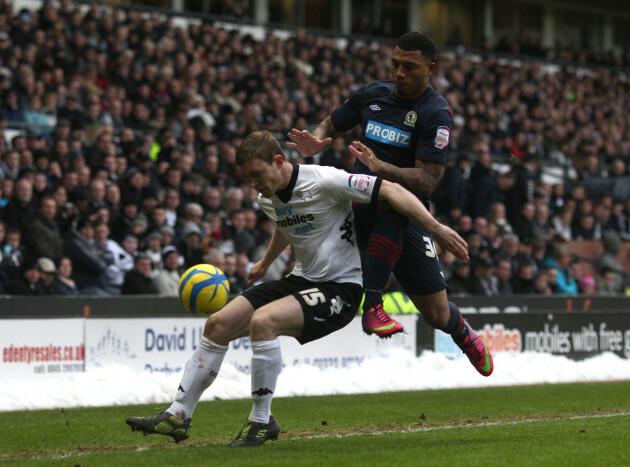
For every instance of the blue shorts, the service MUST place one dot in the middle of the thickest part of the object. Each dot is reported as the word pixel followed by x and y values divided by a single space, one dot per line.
pixel 418 270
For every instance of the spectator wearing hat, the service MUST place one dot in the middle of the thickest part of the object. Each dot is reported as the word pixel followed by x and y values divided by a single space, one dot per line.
pixel 42 237
pixel 28 280
pixel 47 273
pixel 88 265
pixel 167 280
pixel 139 226
pixel 168 235
pixel 484 282
pixel 124 224
pixel 189 245
pixel 588 285
pixel 132 185
pixel 138 280
pixel 459 281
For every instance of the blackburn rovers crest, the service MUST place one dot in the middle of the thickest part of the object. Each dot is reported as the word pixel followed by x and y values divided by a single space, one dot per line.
pixel 411 118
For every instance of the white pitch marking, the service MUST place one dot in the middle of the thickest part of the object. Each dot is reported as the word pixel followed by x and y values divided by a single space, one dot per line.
pixel 465 425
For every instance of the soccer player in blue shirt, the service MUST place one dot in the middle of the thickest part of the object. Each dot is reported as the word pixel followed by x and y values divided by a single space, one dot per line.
pixel 406 124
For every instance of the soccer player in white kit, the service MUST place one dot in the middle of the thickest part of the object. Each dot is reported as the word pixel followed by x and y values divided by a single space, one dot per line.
pixel 311 207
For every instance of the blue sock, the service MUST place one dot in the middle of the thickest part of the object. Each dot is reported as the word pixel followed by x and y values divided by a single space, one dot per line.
pixel 456 327
pixel 384 249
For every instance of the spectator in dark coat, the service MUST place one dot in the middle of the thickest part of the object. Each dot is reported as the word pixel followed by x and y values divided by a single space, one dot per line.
pixel 138 280
pixel 488 190
pixel 503 273
pixel 523 280
pixel 42 238
pixel 484 282
pixel 27 282
pixel 63 281
pixel 19 211
pixel 84 254
pixel 460 278
pixel 47 274
pixel 523 223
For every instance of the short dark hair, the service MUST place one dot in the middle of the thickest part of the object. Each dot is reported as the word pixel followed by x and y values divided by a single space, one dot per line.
pixel 258 145
pixel 415 40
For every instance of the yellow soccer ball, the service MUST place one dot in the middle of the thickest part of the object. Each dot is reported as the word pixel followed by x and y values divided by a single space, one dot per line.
pixel 203 289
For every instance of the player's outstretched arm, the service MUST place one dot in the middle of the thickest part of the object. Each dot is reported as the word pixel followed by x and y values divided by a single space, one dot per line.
pixel 277 244
pixel 420 180
pixel 309 144
pixel 410 206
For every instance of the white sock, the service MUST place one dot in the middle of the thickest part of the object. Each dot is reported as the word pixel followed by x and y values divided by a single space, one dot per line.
pixel 200 372
pixel 266 366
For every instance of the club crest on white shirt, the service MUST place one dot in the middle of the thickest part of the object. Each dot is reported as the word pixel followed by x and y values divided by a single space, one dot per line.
pixel 303 195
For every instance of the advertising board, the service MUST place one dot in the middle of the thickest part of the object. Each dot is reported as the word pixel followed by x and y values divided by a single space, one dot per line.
pixel 41 346
pixel 165 344
pixel 573 335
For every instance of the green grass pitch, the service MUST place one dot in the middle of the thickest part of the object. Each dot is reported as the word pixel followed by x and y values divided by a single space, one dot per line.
pixel 564 424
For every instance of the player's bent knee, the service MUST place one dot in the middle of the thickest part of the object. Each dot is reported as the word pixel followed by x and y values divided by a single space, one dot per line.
pixel 216 328
pixel 261 328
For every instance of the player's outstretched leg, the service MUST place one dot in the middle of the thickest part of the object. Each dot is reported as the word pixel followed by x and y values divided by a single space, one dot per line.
pixel 254 433
pixel 478 353
pixel 384 249
pixel 162 424
pixel 376 320
pixel 471 344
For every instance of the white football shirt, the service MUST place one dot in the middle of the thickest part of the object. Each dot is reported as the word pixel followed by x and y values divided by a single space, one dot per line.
pixel 314 214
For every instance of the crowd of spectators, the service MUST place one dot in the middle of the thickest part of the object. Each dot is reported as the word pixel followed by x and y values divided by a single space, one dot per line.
pixel 118 133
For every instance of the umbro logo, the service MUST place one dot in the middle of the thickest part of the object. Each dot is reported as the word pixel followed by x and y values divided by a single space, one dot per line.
pixel 375 107
pixel 262 392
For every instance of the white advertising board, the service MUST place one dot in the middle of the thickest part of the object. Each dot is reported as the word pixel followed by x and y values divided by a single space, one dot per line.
pixel 165 344
pixel 41 347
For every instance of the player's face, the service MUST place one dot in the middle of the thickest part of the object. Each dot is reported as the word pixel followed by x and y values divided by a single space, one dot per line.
pixel 263 177
pixel 410 72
